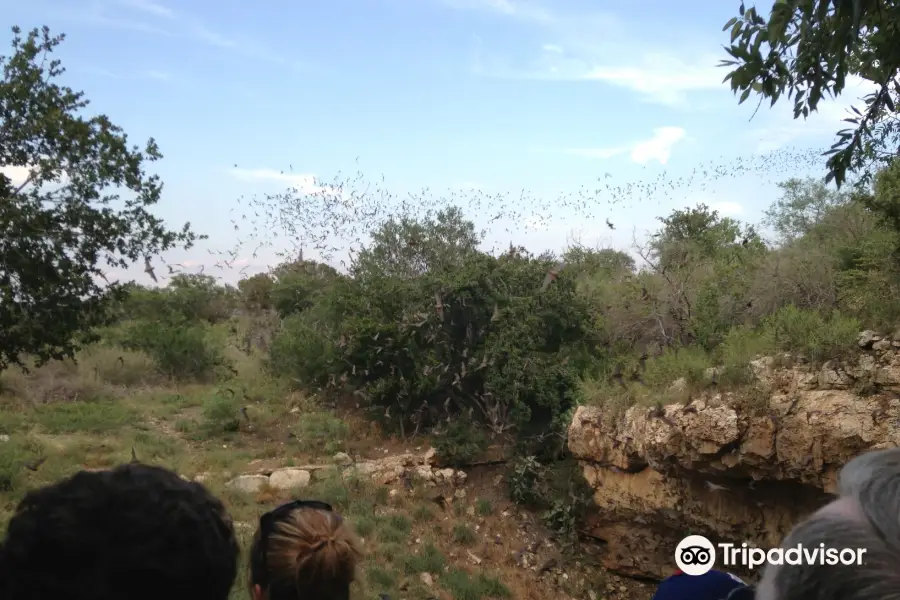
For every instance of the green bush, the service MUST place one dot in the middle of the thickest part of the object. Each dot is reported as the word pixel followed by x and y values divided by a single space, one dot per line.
pixel 180 351
pixel 524 480
pixel 690 362
pixel 303 350
pixel 818 337
pixel 222 413
pixel 459 443
pixel 186 298
pixel 490 350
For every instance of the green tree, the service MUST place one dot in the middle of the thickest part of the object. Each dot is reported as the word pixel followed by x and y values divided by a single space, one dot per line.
pixel 299 284
pixel 409 248
pixel 256 291
pixel 804 203
pixel 66 219
pixel 807 50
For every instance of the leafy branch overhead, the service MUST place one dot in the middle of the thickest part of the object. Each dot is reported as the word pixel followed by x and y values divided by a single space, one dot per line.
pixel 808 50
pixel 65 221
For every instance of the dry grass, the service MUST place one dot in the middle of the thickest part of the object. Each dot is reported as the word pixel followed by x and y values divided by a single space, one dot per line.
pixel 65 417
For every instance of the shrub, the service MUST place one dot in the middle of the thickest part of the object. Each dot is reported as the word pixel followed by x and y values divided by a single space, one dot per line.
pixel 186 298
pixel 482 340
pixel 523 481
pixel 303 350
pixel 459 443
pixel 222 413
pixel 321 432
pixel 180 351
pixel 818 337
pixel 689 362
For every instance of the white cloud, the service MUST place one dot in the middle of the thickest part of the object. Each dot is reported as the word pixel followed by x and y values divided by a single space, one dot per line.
pixel 662 79
pixel 16 175
pixel 148 6
pixel 601 46
pixel 305 183
pixel 520 9
pixel 19 175
pixel 658 148
pixel 781 129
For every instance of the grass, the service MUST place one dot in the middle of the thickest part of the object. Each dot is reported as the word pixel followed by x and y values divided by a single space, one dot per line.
pixel 69 416
pixel 464 535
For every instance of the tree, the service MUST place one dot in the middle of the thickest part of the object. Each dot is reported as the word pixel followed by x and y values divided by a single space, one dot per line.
pixel 701 233
pixel 65 219
pixel 802 206
pixel 807 49
pixel 408 247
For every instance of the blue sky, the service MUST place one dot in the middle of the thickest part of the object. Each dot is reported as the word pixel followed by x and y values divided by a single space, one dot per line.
pixel 497 95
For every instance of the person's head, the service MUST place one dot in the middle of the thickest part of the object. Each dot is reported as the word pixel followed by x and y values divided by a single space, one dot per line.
pixel 303 550
pixel 136 531
pixel 712 585
pixel 866 516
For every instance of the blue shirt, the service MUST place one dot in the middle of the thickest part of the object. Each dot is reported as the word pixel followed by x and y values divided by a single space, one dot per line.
pixel 714 585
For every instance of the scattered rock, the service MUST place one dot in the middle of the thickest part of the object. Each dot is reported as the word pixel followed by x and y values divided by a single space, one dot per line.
pixel 881 346
pixel 248 484
pixel 460 494
pixel 427 579
pixel 290 478
pixel 4 438
pixel 343 459
pixel 867 338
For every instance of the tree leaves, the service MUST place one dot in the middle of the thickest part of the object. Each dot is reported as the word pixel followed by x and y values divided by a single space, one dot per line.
pixel 59 228
pixel 813 46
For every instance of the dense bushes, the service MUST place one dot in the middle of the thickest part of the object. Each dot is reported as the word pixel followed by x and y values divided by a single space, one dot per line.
pixel 479 339
pixel 432 334
pixel 173 325
pixel 428 329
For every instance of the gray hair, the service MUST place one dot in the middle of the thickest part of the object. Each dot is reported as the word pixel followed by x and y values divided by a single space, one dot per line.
pixel 866 516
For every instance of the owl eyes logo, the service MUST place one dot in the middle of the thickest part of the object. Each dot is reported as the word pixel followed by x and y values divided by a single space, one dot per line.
pixel 695 555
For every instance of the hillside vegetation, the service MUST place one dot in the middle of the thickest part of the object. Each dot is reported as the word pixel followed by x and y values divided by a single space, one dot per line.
pixel 426 339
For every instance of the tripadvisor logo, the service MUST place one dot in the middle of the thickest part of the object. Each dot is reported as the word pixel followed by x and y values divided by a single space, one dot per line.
pixel 696 555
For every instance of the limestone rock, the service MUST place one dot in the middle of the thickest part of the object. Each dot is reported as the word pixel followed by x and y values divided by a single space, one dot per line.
pixel 343 459
pixel 289 478
pixel 725 467
pixel 248 484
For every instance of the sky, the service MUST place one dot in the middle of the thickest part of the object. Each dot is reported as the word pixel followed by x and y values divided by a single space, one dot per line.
pixel 595 110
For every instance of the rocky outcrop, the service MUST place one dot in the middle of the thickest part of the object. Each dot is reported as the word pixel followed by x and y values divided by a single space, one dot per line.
pixel 735 466
pixel 407 467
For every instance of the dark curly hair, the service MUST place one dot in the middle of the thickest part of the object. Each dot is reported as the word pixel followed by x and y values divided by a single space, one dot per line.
pixel 136 531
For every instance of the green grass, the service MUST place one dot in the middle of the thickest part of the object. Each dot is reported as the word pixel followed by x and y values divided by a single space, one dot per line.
pixel 101 417
pixel 464 535
pixel 484 508
pixel 464 586
pixel 428 560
